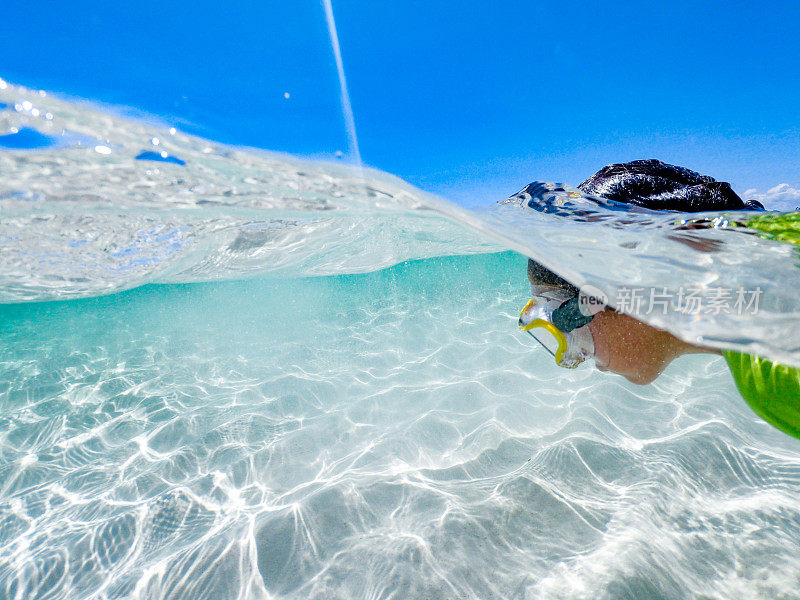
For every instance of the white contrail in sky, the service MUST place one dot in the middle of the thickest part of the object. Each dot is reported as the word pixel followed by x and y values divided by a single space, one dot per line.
pixel 347 109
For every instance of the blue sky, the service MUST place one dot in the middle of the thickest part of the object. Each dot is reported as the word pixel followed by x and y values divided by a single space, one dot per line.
pixel 471 99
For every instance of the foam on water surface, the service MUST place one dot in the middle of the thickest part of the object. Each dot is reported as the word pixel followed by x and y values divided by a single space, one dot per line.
pixel 329 425
pixel 90 216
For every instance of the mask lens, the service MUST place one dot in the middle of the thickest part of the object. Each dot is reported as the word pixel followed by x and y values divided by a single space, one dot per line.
pixel 535 320
pixel 545 339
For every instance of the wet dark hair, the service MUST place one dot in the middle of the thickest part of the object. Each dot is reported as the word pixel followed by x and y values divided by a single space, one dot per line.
pixel 659 186
pixel 544 276
pixel 655 185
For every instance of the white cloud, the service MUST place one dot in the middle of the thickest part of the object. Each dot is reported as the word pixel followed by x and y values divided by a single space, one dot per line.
pixel 781 197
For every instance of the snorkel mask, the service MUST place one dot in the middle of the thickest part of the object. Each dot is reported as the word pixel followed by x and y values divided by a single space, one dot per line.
pixel 556 310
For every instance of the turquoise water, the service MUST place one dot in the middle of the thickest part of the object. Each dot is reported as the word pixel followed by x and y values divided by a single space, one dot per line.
pixel 379 435
pixel 250 376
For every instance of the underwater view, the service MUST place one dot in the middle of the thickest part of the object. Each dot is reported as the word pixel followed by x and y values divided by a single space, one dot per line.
pixel 501 344
pixel 229 373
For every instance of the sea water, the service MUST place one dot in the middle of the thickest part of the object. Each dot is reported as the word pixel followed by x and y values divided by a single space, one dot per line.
pixel 232 374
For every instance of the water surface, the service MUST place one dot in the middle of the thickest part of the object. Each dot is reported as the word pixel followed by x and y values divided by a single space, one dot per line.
pixel 238 374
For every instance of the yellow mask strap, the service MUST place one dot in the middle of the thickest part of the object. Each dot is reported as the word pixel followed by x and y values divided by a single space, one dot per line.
pixel 547 325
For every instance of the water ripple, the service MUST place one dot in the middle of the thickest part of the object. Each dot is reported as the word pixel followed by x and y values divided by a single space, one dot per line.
pixel 390 436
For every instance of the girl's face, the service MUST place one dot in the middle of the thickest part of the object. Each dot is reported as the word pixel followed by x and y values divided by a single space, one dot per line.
pixel 631 348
